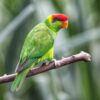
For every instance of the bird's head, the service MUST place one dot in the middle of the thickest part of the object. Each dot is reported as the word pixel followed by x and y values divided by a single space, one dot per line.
pixel 57 21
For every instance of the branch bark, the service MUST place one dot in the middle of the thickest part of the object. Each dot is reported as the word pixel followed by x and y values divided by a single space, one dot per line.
pixel 82 56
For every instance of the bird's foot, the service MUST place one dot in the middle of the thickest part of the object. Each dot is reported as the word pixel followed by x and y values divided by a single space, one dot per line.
pixel 57 63
pixel 45 63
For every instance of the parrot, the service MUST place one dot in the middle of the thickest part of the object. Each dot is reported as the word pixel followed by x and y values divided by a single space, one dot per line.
pixel 38 46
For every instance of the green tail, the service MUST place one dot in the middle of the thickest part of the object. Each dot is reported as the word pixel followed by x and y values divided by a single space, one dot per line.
pixel 17 83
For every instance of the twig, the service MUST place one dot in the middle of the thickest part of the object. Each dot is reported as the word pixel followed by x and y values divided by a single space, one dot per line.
pixel 82 56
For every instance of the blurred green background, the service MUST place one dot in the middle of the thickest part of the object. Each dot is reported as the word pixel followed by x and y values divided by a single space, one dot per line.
pixel 78 81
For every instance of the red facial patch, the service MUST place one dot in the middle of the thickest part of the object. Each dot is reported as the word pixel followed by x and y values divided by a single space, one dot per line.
pixel 59 17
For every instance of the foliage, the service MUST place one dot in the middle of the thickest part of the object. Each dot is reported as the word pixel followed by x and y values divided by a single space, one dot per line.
pixel 78 82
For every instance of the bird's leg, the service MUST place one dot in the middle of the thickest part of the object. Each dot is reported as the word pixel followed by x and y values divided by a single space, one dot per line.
pixel 45 63
pixel 48 62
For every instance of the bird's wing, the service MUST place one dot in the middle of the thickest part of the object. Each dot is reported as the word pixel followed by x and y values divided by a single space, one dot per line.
pixel 37 43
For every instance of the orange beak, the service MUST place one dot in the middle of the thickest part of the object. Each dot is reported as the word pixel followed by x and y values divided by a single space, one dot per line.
pixel 65 24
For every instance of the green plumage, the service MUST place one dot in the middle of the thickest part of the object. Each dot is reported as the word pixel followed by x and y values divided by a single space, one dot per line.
pixel 38 46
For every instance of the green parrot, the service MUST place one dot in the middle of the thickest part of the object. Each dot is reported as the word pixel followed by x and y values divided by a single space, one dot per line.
pixel 38 46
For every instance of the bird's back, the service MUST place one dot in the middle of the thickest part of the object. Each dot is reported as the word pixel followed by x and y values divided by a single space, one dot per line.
pixel 39 40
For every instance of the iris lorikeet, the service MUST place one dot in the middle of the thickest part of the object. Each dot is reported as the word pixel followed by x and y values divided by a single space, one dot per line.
pixel 38 46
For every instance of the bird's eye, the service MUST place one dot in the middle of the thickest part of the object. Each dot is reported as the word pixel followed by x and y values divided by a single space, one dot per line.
pixel 56 19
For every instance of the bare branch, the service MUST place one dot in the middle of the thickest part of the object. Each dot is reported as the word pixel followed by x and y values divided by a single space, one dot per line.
pixel 82 56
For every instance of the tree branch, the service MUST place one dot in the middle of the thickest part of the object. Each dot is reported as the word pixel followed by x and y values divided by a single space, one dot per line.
pixel 82 56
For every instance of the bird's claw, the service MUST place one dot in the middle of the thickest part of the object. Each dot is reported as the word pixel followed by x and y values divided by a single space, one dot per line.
pixel 57 63
pixel 45 63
